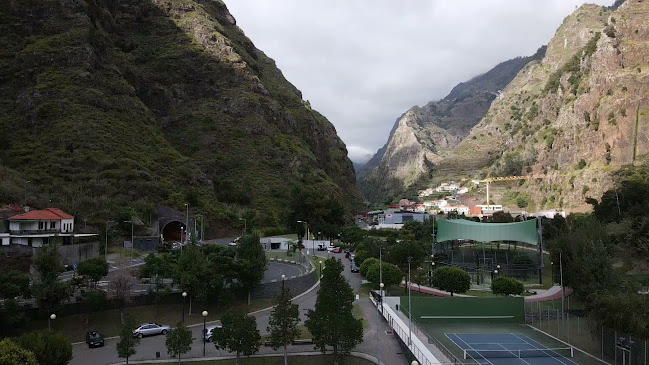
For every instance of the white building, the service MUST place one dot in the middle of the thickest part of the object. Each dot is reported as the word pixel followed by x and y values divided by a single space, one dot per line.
pixel 490 209
pixel 460 209
pixel 462 191
pixel 39 227
pixel 551 214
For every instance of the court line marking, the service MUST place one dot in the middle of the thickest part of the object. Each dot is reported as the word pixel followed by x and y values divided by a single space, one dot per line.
pixel 474 359
pixel 519 357
pixel 544 348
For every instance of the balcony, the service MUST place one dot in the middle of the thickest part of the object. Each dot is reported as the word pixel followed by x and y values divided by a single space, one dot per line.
pixel 35 231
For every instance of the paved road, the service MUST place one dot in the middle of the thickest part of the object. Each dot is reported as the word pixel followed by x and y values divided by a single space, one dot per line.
pixel 149 346
pixel 275 270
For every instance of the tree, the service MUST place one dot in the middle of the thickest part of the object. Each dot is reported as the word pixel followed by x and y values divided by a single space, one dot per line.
pixel 239 334
pixel 451 279
pixel 94 300
pixel 121 286
pixel 332 322
pixel 49 347
pixel 252 263
pixel 420 276
pixel 93 269
pixel 365 266
pixel 392 275
pixel 179 341
pixel 12 354
pixel 127 342
pixel 13 284
pixel 398 254
pixel 507 286
pixel 49 290
pixel 283 321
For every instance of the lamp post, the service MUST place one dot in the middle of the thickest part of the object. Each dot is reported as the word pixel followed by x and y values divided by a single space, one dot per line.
pixel 204 331
pixel 378 342
pixel 283 278
pixel 552 268
pixel 409 305
pixel 306 231
pixel 321 268
pixel 187 217
pixel 563 289
pixel 245 225
pixel 106 246
pixel 184 294
pixel 49 321
pixel 414 362
pixel 202 226
pixel 132 243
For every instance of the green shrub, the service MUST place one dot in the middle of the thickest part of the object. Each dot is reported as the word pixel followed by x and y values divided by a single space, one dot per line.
pixel 392 275
pixel 451 279
pixel 581 164
pixel 365 266
pixel 585 189
pixel 504 285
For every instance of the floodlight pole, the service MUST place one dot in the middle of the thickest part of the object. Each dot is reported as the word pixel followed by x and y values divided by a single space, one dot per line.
pixel 541 265
pixel 409 306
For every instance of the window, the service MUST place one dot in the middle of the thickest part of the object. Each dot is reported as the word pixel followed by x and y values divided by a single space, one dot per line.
pixel 52 225
pixel 40 225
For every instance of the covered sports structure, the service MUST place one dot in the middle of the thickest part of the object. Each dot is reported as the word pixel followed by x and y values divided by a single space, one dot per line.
pixel 462 229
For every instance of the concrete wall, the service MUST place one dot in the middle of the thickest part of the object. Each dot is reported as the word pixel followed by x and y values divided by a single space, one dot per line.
pixel 73 254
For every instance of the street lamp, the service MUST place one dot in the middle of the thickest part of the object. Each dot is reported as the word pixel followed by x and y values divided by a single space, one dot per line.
pixel 132 243
pixel 204 331
pixel 187 217
pixel 49 321
pixel 306 231
pixel 378 342
pixel 106 247
pixel 184 294
pixel 321 268
pixel 245 225
pixel 414 362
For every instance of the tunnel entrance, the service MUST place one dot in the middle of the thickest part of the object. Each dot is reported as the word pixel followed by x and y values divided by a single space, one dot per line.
pixel 172 232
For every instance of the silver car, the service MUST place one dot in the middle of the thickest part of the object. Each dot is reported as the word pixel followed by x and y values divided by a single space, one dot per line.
pixel 209 332
pixel 150 329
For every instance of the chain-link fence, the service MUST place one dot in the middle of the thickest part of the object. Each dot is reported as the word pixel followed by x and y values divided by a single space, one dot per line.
pixel 577 329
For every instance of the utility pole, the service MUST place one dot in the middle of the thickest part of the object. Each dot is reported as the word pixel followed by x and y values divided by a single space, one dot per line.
pixel 563 289
pixel 541 266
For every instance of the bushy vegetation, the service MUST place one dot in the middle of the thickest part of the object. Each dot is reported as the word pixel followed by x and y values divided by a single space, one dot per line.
pixel 573 66
pixel 504 285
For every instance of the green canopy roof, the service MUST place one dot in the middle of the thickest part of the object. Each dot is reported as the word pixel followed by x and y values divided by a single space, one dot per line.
pixel 462 229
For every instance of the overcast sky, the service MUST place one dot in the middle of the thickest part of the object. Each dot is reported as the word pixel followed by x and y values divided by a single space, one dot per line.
pixel 363 63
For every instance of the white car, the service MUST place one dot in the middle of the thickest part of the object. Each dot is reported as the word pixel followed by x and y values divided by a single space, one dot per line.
pixel 330 249
pixel 150 329
pixel 209 332
pixel 232 244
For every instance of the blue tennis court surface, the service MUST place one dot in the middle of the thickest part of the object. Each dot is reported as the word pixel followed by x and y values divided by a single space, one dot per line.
pixel 508 349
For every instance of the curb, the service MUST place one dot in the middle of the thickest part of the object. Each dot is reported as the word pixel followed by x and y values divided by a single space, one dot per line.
pixel 230 357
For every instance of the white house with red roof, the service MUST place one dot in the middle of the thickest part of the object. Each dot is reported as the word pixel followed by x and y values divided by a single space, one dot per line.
pixel 38 227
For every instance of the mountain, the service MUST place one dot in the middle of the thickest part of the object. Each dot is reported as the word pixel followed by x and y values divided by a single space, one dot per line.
pixel 423 136
pixel 111 107
pixel 572 118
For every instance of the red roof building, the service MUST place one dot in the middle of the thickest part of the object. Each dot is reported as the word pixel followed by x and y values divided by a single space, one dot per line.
pixel 46 214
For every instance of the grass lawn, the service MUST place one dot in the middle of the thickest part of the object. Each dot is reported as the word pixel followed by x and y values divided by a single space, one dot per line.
pixel 108 322
pixel 282 255
pixel 358 313
pixel 294 360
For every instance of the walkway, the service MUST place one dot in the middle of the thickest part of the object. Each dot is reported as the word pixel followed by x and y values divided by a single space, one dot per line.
pixel 547 295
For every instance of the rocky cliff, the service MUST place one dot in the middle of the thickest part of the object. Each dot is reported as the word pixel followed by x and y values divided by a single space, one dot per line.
pixel 115 106
pixel 571 118
pixel 423 136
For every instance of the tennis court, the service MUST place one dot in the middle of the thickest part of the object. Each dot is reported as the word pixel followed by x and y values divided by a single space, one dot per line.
pixel 509 349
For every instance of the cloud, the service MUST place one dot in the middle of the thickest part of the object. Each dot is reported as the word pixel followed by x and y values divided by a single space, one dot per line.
pixel 363 63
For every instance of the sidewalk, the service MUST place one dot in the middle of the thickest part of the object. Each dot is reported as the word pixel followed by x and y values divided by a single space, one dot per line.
pixel 391 352
pixel 547 295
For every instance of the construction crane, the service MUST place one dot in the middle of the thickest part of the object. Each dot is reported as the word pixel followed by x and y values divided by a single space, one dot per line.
pixel 507 178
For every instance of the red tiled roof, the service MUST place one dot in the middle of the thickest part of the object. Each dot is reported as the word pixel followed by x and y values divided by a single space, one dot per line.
pixel 49 213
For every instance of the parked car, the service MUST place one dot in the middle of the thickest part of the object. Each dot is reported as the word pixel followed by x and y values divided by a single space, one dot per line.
pixel 209 332
pixel 354 268
pixel 94 339
pixel 321 248
pixel 348 250
pixel 150 329
pixel 330 249
pixel 232 243
pixel 337 250
pixel 351 257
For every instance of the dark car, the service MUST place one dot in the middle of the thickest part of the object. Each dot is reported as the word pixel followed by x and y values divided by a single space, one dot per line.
pixel 321 248
pixel 94 338
pixel 354 267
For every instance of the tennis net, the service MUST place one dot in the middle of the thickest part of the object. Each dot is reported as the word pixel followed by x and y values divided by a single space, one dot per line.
pixel 484 354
